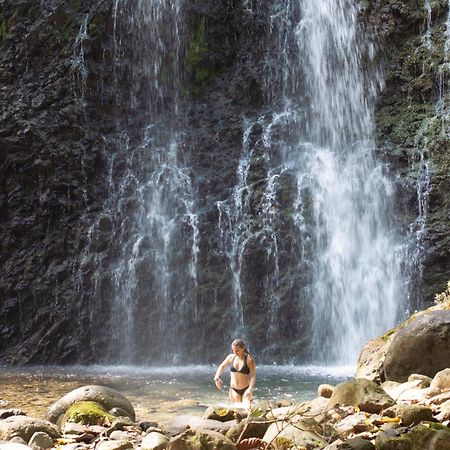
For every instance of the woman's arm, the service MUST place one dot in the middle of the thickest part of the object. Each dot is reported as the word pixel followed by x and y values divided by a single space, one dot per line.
pixel 226 362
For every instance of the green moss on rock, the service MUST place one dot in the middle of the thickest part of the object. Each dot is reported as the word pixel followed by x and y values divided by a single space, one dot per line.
pixel 87 413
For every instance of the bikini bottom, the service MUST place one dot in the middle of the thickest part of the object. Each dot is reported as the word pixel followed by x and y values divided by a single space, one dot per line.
pixel 239 391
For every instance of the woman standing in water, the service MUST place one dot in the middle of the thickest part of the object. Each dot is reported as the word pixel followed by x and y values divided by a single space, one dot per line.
pixel 243 373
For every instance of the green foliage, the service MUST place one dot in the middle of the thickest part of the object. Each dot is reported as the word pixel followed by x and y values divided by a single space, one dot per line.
pixel 195 64
pixel 443 297
pixel 3 29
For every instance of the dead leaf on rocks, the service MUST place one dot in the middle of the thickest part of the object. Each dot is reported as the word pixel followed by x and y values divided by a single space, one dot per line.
pixel 252 444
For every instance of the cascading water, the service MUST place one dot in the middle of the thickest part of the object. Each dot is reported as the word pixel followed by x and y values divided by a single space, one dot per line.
pixel 152 204
pixel 317 145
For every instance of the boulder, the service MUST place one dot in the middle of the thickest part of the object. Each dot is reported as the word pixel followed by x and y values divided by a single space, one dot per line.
pixel 421 346
pixel 371 358
pixel 361 393
pixel 409 414
pixel 325 390
pixel 285 434
pixel 200 440
pixel 425 436
pixel 154 441
pixel 441 380
pixel 25 427
pixel 108 398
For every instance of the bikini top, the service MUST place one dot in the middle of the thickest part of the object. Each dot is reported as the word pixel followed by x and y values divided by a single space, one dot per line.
pixel 245 369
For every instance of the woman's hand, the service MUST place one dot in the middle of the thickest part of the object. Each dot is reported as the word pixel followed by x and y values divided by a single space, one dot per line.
pixel 248 395
pixel 219 383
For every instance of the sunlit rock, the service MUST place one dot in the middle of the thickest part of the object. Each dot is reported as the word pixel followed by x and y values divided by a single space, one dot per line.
pixel 442 380
pixel 25 427
pixel 200 440
pixel 361 393
pixel 283 433
pixel 154 441
pixel 409 414
pixel 108 398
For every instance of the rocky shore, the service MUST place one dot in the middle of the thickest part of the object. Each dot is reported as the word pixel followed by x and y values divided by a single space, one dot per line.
pixel 358 414
pixel 382 408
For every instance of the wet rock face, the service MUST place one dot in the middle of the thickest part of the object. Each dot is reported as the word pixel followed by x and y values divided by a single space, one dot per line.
pixel 51 170
pixel 61 123
pixel 411 131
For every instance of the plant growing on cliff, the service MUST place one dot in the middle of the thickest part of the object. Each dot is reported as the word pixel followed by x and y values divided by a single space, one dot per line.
pixel 443 297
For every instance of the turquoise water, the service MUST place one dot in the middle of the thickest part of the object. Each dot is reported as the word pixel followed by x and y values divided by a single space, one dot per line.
pixel 159 393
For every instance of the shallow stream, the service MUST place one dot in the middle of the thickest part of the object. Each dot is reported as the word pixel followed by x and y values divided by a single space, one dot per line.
pixel 158 394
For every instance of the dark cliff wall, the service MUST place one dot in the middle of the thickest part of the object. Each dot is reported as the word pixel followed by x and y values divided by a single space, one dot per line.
pixel 413 135
pixel 60 125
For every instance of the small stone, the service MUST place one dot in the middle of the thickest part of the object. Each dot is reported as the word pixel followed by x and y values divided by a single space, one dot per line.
pixel 146 425
pixel 74 428
pixel 4 413
pixel 118 435
pixel 97 429
pixel 325 390
pixel 154 441
pixel 410 414
pixel 40 440
pixel 114 445
pixel 425 380
pixel 119 412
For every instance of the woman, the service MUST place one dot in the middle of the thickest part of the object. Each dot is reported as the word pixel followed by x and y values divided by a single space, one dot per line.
pixel 243 373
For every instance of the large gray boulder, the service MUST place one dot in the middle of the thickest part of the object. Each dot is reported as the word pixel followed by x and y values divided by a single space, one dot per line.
pixel 422 346
pixel 416 346
pixel 106 397
pixel 24 427
pixel 362 393
pixel 200 440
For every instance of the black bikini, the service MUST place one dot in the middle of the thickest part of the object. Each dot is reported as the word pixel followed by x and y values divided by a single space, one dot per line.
pixel 244 369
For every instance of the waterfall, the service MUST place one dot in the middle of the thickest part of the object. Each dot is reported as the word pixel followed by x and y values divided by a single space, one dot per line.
pixel 318 178
pixel 151 209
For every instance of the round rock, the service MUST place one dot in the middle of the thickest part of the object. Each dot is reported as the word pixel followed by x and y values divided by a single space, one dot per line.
pixel 364 394
pixel 422 346
pixel 25 427
pixel 107 397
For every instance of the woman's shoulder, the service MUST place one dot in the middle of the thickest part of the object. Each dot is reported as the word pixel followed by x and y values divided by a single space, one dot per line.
pixel 250 358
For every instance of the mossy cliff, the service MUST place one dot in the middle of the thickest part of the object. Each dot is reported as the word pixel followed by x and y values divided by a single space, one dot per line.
pixel 413 127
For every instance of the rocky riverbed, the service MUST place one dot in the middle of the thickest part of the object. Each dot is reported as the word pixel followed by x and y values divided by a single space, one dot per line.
pixel 381 409
pixel 358 414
